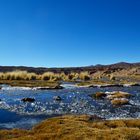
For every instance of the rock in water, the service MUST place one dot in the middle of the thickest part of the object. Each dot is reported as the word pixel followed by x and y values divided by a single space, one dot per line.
pixel 28 100
pixel 119 102
pixel 58 87
pixel 49 88
pixel 57 98
pixel 118 94
pixel 98 95
pixel 42 88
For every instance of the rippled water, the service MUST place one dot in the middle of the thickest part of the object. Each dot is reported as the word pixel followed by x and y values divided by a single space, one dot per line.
pixel 16 114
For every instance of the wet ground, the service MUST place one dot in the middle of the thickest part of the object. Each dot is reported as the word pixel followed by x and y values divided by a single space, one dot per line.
pixel 16 114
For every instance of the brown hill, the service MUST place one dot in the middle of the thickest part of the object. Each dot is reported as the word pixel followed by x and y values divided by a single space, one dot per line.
pixel 40 70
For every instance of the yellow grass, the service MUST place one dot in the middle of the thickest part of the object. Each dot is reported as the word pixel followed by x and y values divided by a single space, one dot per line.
pixel 77 128
pixel 84 76
pixel 47 76
pixel 18 75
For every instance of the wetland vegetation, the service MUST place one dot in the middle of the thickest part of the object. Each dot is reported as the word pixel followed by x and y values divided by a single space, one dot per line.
pixel 92 98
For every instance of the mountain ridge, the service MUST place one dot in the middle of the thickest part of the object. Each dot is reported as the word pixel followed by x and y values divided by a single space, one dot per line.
pixel 40 70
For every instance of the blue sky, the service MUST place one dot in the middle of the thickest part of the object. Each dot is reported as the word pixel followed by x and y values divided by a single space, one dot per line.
pixel 58 33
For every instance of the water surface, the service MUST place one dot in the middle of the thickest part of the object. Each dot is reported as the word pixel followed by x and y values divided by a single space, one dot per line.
pixel 16 114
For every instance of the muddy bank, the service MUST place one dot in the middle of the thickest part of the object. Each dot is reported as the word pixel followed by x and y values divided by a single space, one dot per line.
pixel 32 84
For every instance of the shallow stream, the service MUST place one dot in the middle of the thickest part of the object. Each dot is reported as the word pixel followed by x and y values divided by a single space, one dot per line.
pixel 17 114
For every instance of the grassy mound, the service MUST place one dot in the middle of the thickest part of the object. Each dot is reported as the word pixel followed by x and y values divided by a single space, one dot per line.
pixel 77 127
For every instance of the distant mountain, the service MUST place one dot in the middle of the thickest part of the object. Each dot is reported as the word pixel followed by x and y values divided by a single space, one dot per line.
pixel 40 70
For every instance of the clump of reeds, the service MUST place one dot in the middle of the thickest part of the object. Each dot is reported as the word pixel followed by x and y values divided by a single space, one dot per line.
pixel 18 75
pixel 71 76
pixel 50 76
pixel 47 76
pixel 84 76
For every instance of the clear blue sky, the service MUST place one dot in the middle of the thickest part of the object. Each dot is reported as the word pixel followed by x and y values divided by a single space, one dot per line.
pixel 69 32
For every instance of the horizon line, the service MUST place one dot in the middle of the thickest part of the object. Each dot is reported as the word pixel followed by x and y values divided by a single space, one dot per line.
pixel 69 66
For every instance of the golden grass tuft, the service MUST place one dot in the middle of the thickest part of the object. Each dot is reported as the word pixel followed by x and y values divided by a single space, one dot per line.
pixel 47 76
pixel 119 102
pixel 84 76
pixel 18 75
pixel 119 95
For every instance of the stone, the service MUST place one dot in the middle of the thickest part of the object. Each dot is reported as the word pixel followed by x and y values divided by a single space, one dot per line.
pixel 98 95
pixel 49 88
pixel 120 102
pixel 28 100
pixel 118 94
pixel 57 98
